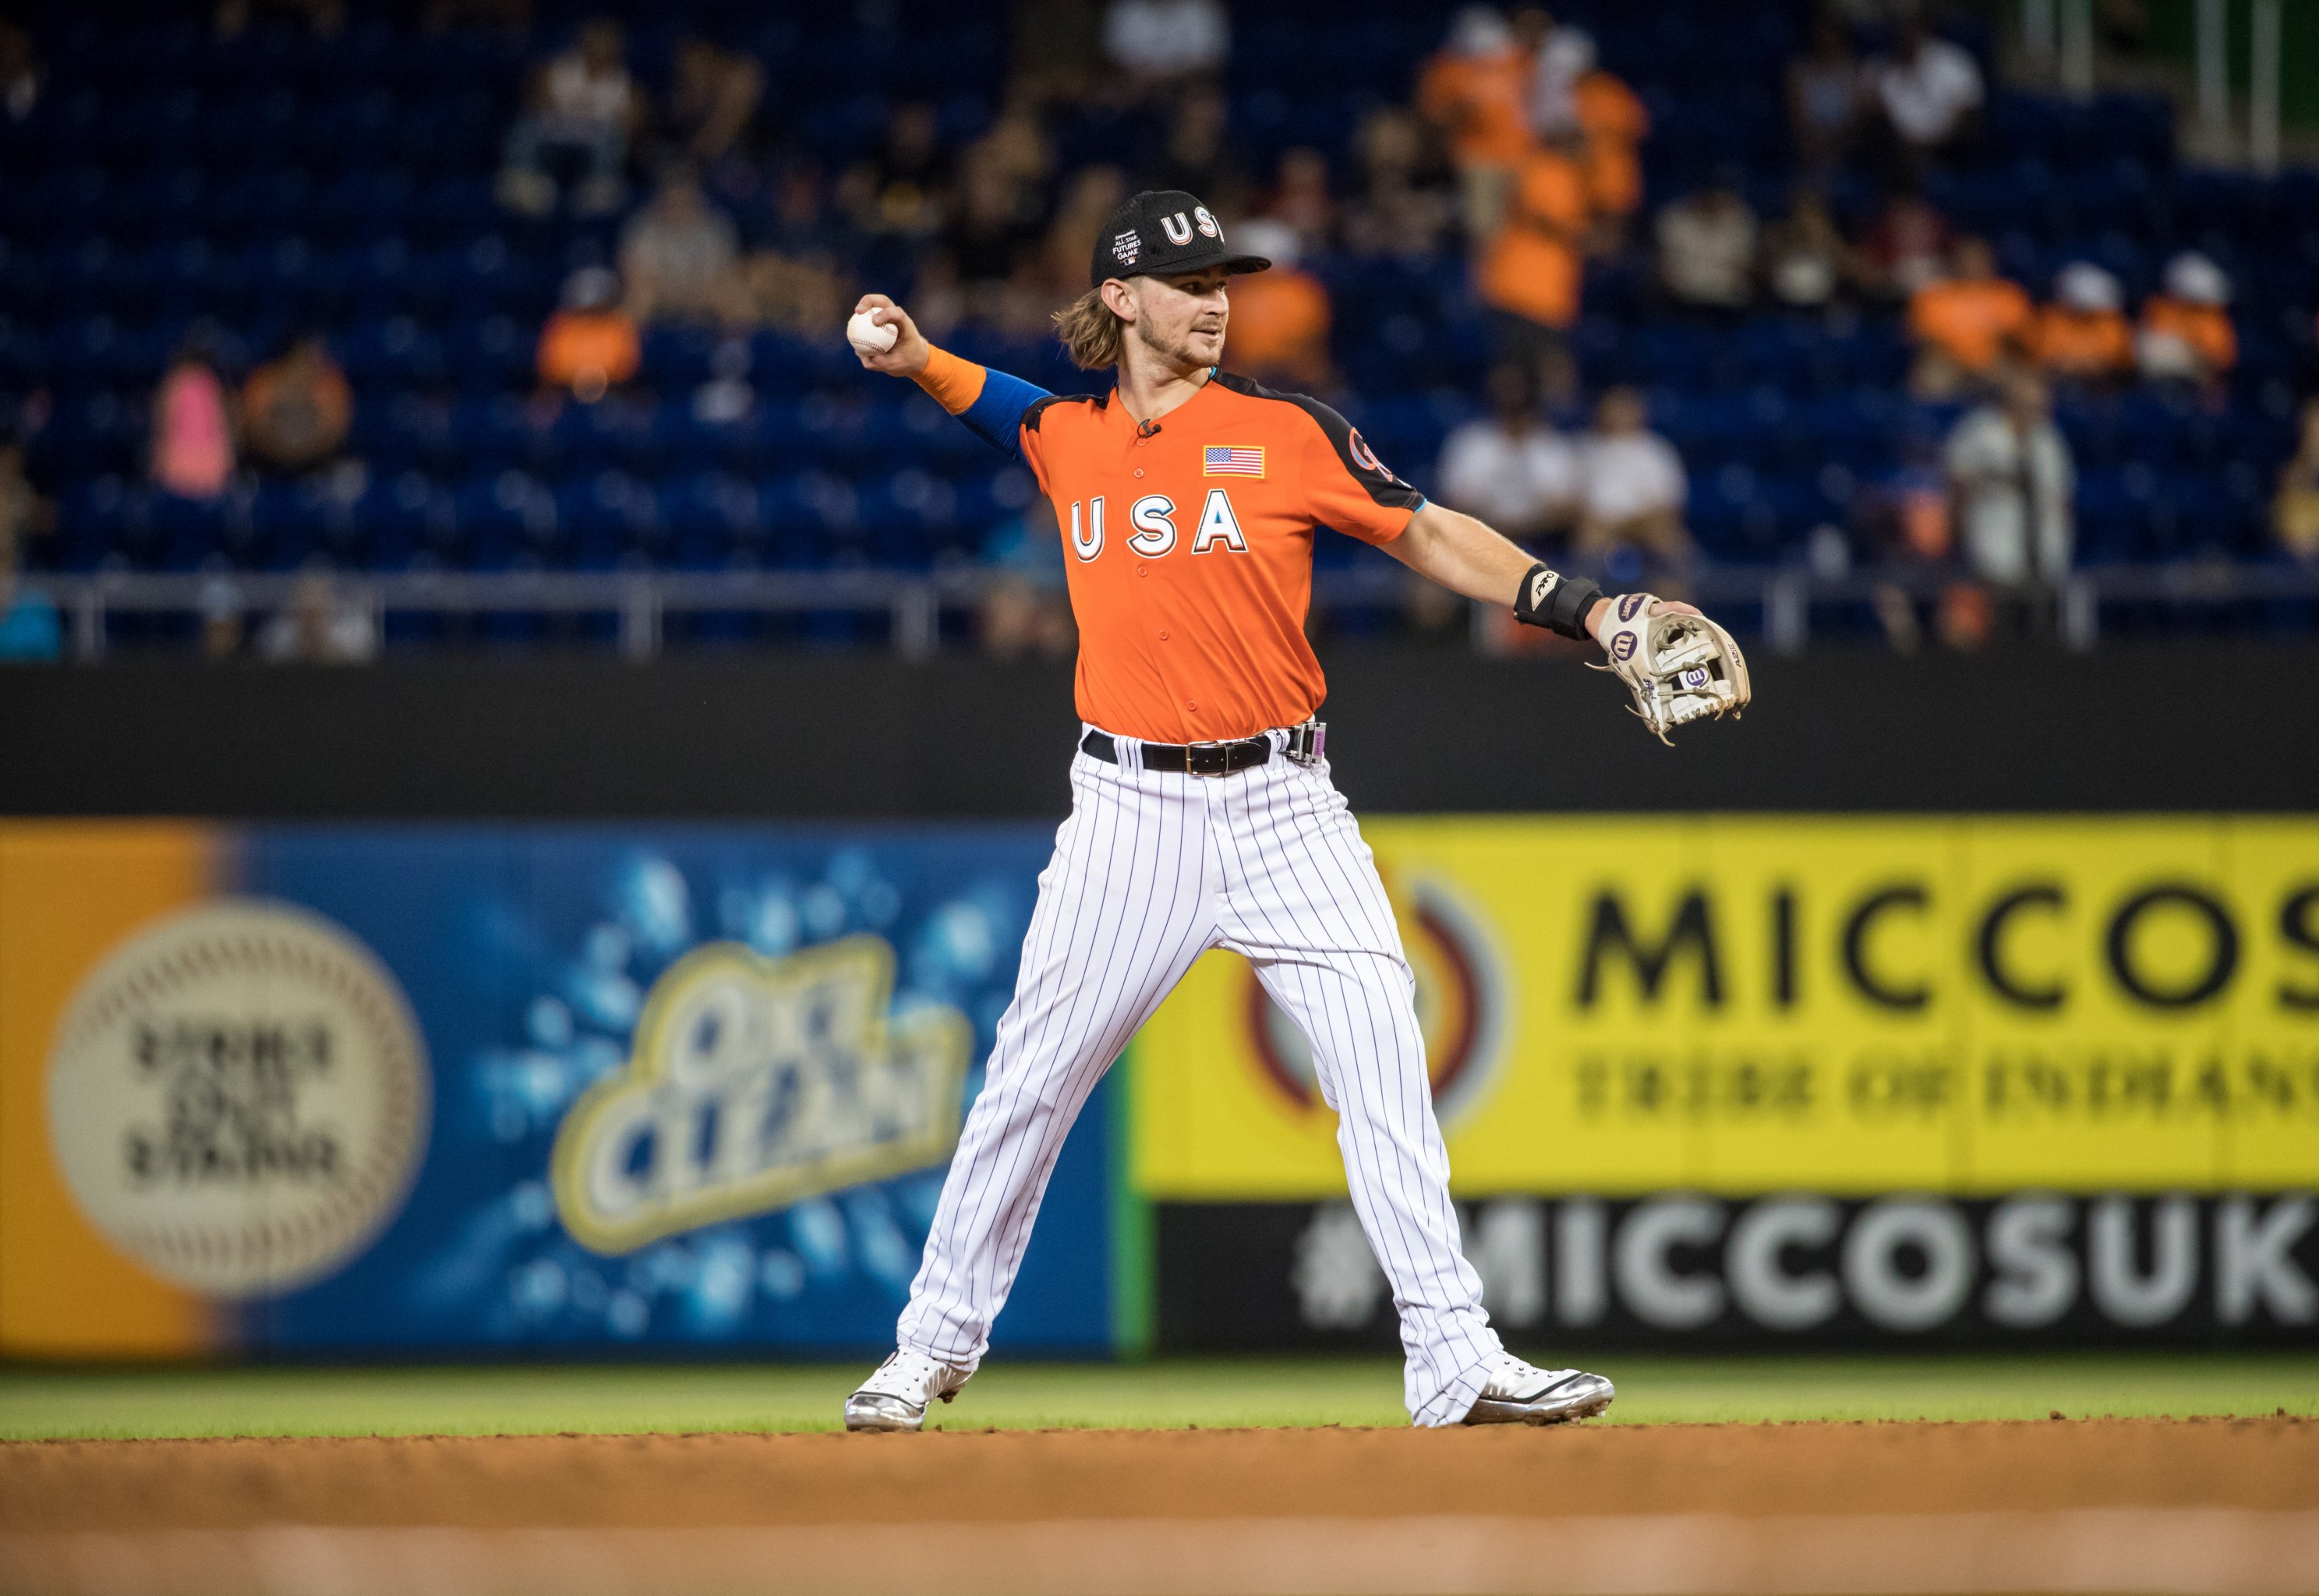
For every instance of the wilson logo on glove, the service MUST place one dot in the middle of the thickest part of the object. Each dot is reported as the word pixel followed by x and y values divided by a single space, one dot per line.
pixel 1681 668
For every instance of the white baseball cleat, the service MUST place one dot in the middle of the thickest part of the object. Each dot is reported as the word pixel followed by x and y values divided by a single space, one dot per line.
pixel 1518 1393
pixel 896 1397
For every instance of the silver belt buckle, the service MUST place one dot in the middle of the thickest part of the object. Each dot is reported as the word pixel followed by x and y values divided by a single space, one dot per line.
pixel 1217 759
pixel 1308 742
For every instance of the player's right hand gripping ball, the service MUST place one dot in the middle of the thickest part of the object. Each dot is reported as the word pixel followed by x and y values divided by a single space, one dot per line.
pixel 1681 668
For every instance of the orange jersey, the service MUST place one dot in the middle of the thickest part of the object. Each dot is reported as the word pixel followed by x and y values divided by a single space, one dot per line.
pixel 1479 102
pixel 1615 121
pixel 1974 321
pixel 1188 543
pixel 2082 343
pixel 588 349
pixel 1532 266
pixel 2206 329
pixel 1280 323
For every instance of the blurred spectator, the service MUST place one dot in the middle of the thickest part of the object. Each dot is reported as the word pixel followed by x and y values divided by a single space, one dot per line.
pixel 681 257
pixel 726 396
pixel 590 347
pixel 2083 333
pixel 1560 56
pixel 2013 479
pixel 320 627
pixel 1198 156
pixel 217 611
pixel 1058 49
pixel 30 627
pixel 1477 91
pixel 1707 247
pixel 2295 512
pixel 1531 272
pixel 1614 122
pixel 584 107
pixel 800 224
pixel 1906 245
pixel 192 439
pixel 1159 44
pixel 19 74
pixel 1632 488
pixel 1966 323
pixel 2186 332
pixel 1026 610
pixel 1016 148
pixel 713 94
pixel 1278 329
pixel 1094 194
pixel 911 174
pixel 295 411
pixel 1805 261
pixel 1930 92
pixel 1510 468
pixel 1301 200
pixel 1907 527
pixel 1826 89
pixel 799 280
pixel 318 16
pixel 992 232
pixel 1403 208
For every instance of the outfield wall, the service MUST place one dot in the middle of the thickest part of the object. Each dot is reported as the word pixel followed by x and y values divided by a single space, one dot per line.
pixel 1977 1008
pixel 2223 728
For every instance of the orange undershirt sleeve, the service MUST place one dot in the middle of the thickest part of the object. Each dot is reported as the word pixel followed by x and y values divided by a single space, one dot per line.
pixel 954 383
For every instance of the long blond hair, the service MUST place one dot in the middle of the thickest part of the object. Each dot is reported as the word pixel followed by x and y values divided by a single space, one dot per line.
pixel 1093 334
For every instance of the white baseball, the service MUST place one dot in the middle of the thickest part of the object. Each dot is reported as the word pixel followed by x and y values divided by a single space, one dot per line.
pixel 868 337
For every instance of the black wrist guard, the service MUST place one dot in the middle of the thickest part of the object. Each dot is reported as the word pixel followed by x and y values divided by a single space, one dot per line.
pixel 1557 602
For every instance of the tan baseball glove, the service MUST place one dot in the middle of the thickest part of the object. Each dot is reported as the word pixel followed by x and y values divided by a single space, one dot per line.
pixel 1680 667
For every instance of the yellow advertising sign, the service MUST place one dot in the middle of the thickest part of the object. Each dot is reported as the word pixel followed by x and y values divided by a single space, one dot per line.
pixel 1742 1005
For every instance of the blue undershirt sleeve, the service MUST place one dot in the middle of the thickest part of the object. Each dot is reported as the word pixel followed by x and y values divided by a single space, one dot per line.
pixel 997 414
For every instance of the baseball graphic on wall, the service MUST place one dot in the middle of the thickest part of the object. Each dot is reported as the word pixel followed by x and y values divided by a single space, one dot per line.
pixel 239 1097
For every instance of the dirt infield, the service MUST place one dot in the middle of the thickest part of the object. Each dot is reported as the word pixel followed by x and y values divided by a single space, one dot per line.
pixel 2224 1505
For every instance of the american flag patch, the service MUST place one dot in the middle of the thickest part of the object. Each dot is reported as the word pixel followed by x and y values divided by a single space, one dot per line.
pixel 1222 460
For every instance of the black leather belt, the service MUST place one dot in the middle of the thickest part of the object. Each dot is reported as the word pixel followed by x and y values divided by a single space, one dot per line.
pixel 1192 758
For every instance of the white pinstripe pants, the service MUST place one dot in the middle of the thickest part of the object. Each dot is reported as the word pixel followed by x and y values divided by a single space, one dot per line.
pixel 1152 870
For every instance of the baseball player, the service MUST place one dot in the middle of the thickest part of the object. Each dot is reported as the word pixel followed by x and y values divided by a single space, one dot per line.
pixel 1203 813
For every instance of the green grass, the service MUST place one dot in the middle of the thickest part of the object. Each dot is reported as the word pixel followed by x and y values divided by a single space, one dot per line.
pixel 534 1399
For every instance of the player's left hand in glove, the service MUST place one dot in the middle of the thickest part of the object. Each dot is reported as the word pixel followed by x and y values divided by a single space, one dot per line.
pixel 1680 666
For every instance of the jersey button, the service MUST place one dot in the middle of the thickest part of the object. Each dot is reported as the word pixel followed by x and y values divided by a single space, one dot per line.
pixel 1195 708
pixel 1163 636
pixel 1144 571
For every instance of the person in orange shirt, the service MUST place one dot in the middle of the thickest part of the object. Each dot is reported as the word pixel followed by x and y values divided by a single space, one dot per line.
pixel 2083 333
pixel 1477 91
pixel 1570 93
pixel 2186 333
pixel 590 347
pixel 1966 323
pixel 1280 317
pixel 1533 271
pixel 1203 811
pixel 295 411
pixel 1616 123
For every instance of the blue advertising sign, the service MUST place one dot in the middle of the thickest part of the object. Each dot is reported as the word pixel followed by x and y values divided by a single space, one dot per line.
pixel 692 1086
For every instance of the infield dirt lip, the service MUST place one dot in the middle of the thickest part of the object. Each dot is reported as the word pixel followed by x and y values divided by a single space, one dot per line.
pixel 2221 1505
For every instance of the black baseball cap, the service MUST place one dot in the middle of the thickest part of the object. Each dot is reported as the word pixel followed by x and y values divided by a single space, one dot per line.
pixel 1160 231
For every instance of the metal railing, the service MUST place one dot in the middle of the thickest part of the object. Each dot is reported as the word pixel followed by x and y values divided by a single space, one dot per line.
pixel 1781 602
